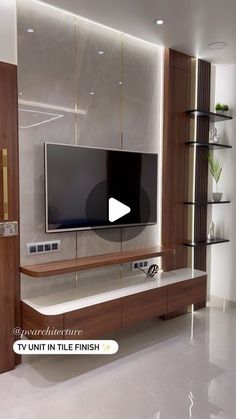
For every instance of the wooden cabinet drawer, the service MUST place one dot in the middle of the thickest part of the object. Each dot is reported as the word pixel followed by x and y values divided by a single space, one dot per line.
pixel 144 306
pixel 95 321
pixel 185 293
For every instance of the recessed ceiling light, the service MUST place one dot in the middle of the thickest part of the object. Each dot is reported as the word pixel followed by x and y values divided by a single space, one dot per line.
pixel 100 52
pixel 217 45
pixel 120 82
pixel 159 21
pixel 20 93
pixel 92 93
pixel 30 30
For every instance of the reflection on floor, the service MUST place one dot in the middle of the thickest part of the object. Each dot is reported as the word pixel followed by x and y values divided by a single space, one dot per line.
pixel 181 369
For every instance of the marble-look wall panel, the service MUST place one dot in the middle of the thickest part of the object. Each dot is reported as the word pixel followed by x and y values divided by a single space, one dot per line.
pixel 98 72
pixel 46 78
pixel 98 242
pixel 108 273
pixel 90 243
pixel 145 237
pixel 92 282
pixel 31 288
pixel 46 57
pixel 98 89
pixel 142 96
pixel 141 116
pixel 32 199
pixel 61 63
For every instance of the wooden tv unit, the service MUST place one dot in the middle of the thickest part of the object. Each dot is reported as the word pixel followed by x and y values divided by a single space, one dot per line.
pixel 98 312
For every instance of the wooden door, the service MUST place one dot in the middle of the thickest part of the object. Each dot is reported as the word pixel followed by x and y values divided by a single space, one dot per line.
pixel 9 211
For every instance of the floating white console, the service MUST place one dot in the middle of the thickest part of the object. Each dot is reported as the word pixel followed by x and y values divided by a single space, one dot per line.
pixel 85 295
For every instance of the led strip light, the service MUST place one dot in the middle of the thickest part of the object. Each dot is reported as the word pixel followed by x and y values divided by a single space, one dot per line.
pixel 42 3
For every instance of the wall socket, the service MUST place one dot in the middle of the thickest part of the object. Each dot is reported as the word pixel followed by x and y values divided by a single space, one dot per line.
pixel 43 247
pixel 139 264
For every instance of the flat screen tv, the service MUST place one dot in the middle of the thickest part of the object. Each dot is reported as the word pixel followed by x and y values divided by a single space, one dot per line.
pixel 91 188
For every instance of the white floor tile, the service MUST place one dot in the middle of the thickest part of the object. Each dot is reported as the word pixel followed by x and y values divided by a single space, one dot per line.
pixel 184 368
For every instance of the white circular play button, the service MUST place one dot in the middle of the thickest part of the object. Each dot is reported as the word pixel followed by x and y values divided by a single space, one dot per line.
pixel 117 210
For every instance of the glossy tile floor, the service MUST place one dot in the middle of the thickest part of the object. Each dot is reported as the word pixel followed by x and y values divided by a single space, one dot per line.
pixel 181 369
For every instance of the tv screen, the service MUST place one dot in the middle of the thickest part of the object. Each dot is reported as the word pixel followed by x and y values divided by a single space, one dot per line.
pixel 90 188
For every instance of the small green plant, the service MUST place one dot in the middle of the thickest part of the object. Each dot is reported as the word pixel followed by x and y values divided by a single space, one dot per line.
pixel 219 107
pixel 215 167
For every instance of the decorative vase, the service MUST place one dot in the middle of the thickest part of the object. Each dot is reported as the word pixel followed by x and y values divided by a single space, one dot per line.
pixel 211 233
pixel 214 137
pixel 217 138
pixel 217 196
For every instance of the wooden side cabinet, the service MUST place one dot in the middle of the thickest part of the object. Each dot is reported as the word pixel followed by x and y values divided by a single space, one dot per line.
pixel 9 211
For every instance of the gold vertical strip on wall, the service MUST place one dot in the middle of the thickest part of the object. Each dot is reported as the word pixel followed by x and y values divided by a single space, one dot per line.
pixel 122 92
pixel 192 160
pixel 122 124
pixel 76 82
pixel 5 183
pixel 76 87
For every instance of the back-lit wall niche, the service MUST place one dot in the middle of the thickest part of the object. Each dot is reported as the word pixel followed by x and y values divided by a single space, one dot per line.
pixel 86 84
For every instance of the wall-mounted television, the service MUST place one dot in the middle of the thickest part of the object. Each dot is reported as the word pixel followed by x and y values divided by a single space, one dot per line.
pixel 91 188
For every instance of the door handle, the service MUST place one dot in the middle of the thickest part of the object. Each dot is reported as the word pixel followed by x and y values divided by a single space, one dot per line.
pixel 5 183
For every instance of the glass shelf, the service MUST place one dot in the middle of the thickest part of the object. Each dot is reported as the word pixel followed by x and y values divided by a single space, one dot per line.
pixel 207 145
pixel 205 243
pixel 213 117
pixel 206 203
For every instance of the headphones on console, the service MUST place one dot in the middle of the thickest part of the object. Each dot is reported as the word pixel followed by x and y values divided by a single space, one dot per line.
pixel 151 272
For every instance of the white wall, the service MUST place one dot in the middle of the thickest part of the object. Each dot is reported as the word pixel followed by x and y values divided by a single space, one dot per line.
pixel 8 31
pixel 223 257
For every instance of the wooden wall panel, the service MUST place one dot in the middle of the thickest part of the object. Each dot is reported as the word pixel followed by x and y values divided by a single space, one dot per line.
pixel 204 85
pixel 201 182
pixel 9 247
pixel 177 94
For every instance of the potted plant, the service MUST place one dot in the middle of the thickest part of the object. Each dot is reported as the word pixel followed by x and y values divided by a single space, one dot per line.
pixel 219 107
pixel 226 109
pixel 215 167
pixel 222 109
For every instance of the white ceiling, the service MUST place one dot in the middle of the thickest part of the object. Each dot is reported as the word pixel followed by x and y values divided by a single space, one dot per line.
pixel 190 25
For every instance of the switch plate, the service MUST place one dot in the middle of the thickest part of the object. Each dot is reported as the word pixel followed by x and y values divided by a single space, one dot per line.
pixel 43 247
pixel 140 264
pixel 9 229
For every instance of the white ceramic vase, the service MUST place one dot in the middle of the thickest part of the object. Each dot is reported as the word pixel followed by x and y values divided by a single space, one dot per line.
pixel 217 196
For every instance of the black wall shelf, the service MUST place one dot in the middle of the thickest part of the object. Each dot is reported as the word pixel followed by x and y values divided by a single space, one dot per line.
pixel 206 203
pixel 205 243
pixel 213 117
pixel 207 145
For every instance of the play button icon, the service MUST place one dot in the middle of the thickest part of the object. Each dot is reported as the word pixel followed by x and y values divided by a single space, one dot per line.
pixel 117 210
pixel 112 209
